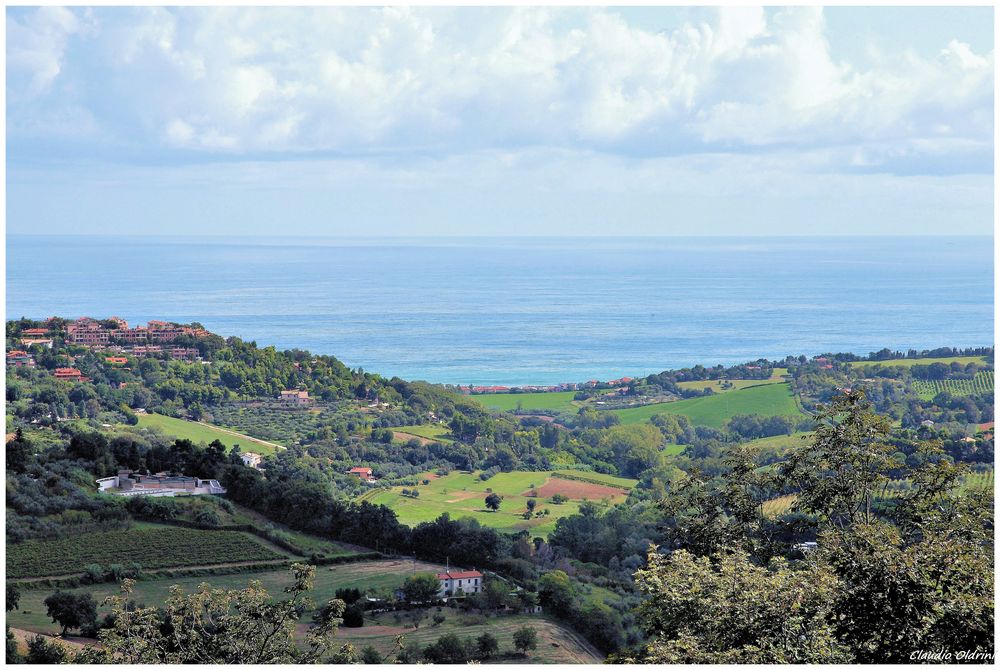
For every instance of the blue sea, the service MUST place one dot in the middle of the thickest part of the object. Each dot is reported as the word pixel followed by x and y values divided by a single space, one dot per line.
pixel 526 310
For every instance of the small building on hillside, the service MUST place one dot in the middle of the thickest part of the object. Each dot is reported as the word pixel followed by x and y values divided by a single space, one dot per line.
pixel 69 374
pixel 129 483
pixel 251 460
pixel 459 582
pixel 20 359
pixel 295 397
pixel 364 474
pixel 31 341
pixel 115 360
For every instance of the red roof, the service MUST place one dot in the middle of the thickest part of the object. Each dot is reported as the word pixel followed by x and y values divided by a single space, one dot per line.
pixel 463 574
pixel 35 331
pixel 364 470
pixel 16 353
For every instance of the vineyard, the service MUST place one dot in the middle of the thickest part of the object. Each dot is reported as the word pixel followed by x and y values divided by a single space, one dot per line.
pixel 895 488
pixel 150 547
pixel 981 384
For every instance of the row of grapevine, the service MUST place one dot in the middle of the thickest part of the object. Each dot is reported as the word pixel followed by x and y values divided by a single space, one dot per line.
pixel 151 548
pixel 982 383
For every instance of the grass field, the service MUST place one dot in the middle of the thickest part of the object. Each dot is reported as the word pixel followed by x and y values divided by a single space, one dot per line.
pixel 981 384
pixel 910 362
pixel 714 411
pixel 778 443
pixel 556 642
pixel 431 431
pixel 202 432
pixel 599 477
pixel 150 546
pixel 777 376
pixel 463 495
pixel 557 401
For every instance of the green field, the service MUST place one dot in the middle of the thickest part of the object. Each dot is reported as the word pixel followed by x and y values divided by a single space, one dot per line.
pixel 778 443
pixel 715 410
pixel 557 401
pixel 431 431
pixel 463 495
pixel 150 546
pixel 557 643
pixel 910 362
pixel 202 432
pixel 777 376
pixel 599 477
pixel 981 384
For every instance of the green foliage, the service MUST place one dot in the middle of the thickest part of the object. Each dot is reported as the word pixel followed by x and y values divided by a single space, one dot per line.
pixel 217 626
pixel 421 587
pixel 525 639
pixel 43 652
pixel 731 611
pixel 487 646
pixel 13 597
pixel 886 582
pixel 449 648
pixel 556 593
pixel 839 474
pixel 493 501
pixel 71 610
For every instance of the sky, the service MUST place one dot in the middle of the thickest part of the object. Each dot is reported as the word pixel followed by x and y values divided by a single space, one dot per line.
pixel 500 121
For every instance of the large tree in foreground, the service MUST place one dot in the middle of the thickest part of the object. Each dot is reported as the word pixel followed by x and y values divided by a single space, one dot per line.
pixel 892 576
pixel 220 626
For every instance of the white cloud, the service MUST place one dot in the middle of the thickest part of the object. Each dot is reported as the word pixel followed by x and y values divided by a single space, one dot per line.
pixel 452 81
pixel 35 48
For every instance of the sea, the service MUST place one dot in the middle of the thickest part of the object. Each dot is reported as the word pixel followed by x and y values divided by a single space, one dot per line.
pixel 516 310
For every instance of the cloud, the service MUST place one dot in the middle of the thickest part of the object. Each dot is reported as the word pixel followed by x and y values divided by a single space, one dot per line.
pixel 437 81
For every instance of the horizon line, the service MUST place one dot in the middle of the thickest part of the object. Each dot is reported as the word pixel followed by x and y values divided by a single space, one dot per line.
pixel 492 235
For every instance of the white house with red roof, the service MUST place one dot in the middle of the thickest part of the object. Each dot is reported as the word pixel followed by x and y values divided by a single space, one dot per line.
pixel 455 581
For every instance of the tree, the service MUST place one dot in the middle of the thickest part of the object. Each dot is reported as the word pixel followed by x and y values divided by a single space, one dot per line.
pixel 422 587
pixel 495 594
pixel 493 501
pixel 891 576
pixel 43 652
pixel 19 453
pixel 11 656
pixel 448 648
pixel 487 645
pixel 732 611
pixel 525 639
pixel 71 610
pixel 370 656
pixel 532 503
pixel 556 592
pixel 842 471
pixel 13 597
pixel 218 626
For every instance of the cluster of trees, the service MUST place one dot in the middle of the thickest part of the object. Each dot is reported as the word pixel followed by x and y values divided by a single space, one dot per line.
pixel 889 578
pixel 451 648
